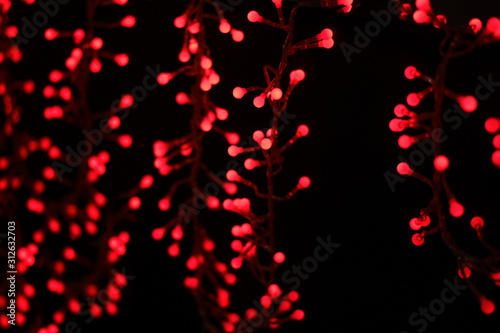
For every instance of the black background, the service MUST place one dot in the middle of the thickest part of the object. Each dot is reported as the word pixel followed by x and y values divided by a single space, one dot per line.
pixel 377 278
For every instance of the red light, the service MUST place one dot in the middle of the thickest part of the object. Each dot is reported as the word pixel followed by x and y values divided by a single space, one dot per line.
pixel 421 16
pixel 250 164
pixel 302 130
pixel 411 73
pixel 477 223
pixel 78 35
pixel 232 138
pixel 184 55
pixel 467 103
pixel 236 263
pixel 125 140
pixel 413 99
pixel 253 16
pixel 279 257
pixel 128 21
pixel 194 28
pixel 476 25
pixel 221 114
pixel 239 92
pixel 121 59
pixel 259 101
pixel 417 239
pixel 297 315
pixel 65 93
pixel 487 306
pixel 224 26
pixel 11 31
pixel 405 141
pixel 164 78
pixel 126 101
pixel 456 209
pixel 158 234
pixel 467 272
pixel 297 75
pixel 404 169
pixel 96 43
pixel 51 34
pixel 493 27
pixel 146 181
pixel 206 62
pixel 232 176
pixel 423 5
pixel 95 65
pixel 401 110
pixel 266 144
pixel 180 21
pixel 191 282
pixel 69 254
pixel 237 35
pixel 177 233
pixel 114 122
pixel 276 94
pixel 415 223
pixel 441 163
pixel 55 76
pixel 304 182
pixel 182 98
pixel 164 204
pixel 134 203
pixel 492 125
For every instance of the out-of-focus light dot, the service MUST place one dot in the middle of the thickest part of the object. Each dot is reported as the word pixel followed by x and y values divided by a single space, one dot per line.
pixel 477 223
pixel 487 306
pixel 405 141
pixel 50 34
pixel 236 263
pixel 421 16
pixel 266 143
pixel 180 21
pixel 95 65
pixel 467 272
pixel 173 250
pixel 417 239
pixel 164 78
pixel 279 257
pixel 495 158
pixel 114 122
pixel 125 140
pixel 206 62
pixel 239 92
pixel 134 203
pixel 232 138
pixel 423 5
pixel 441 163
pixel 128 21
pixel 254 16
pixel 259 101
pixel 184 55
pixel 492 125
pixel 96 43
pixel 456 209
pixel 221 114
pixel 468 103
pixel 297 75
pixel 304 182
pixel 182 98
pixel 224 26
pixel 403 168
pixel 194 28
pixel 411 72
pixel 303 130
pixel 158 234
pixel 413 99
pixel 476 25
pixel 146 181
pixel 69 253
pixel 121 59
pixel 297 315
pixel 237 35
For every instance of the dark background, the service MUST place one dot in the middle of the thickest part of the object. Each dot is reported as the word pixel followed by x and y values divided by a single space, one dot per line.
pixel 377 278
